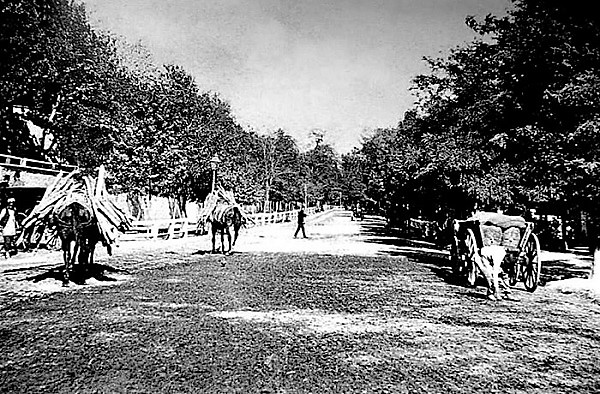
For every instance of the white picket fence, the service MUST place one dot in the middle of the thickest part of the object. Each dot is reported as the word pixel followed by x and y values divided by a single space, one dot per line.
pixel 166 228
pixel 183 227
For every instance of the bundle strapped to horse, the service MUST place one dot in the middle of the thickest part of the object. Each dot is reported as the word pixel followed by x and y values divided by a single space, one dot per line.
pixel 221 210
pixel 78 209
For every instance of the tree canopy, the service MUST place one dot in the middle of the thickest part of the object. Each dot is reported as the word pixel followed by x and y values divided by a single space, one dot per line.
pixel 508 121
pixel 102 100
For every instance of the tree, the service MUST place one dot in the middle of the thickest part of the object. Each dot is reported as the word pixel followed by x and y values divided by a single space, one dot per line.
pixel 353 186
pixel 498 99
pixel 507 121
pixel 323 174
pixel 66 74
pixel 101 100
pixel 281 164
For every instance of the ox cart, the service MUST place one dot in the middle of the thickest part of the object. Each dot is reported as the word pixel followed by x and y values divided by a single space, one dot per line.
pixel 522 260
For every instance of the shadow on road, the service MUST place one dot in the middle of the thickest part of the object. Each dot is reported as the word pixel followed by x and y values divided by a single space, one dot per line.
pixel 559 267
pixel 209 252
pixel 79 274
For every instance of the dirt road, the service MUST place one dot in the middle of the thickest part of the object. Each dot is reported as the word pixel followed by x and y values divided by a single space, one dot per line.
pixel 349 310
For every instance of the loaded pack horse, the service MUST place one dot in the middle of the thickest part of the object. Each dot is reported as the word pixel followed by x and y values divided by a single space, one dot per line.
pixel 222 218
pixel 78 231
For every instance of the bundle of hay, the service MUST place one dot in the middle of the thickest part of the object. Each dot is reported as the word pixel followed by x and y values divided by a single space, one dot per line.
pixel 86 190
pixel 217 199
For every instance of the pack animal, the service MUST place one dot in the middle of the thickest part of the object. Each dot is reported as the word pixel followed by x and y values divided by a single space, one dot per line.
pixel 79 234
pixel 221 220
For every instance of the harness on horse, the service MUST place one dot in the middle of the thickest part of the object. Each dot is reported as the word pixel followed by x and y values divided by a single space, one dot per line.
pixel 74 200
pixel 222 211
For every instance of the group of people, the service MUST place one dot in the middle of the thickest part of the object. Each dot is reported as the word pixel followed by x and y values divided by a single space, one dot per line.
pixel 9 228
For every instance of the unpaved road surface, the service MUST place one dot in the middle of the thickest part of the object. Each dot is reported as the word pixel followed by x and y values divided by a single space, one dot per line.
pixel 349 310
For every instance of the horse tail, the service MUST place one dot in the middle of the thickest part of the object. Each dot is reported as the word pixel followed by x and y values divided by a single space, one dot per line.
pixel 238 222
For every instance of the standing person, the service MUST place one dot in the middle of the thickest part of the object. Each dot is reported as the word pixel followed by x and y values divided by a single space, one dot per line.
pixel 301 216
pixel 8 223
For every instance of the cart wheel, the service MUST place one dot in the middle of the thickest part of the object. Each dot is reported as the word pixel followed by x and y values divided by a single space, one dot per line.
pixel 471 245
pixel 533 263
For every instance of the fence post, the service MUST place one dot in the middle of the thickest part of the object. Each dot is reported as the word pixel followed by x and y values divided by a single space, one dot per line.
pixel 154 230
pixel 184 228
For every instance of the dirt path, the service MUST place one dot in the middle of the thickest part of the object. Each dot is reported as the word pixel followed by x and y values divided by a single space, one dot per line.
pixel 330 233
pixel 34 273
pixel 349 310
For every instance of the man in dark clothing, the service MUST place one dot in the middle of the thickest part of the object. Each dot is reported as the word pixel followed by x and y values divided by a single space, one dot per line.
pixel 301 216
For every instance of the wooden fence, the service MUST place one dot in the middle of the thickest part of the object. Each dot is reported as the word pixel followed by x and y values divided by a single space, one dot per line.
pixel 167 229
pixel 179 228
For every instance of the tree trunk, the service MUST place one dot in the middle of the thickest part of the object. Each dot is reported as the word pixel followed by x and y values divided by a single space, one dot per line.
pixel 267 195
pixel 174 207
pixel 135 206
pixel 181 202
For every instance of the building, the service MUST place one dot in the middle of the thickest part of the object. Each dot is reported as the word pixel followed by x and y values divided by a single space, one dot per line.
pixel 26 180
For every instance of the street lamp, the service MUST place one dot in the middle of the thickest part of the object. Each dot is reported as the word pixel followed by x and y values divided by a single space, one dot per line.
pixel 305 196
pixel 150 179
pixel 214 164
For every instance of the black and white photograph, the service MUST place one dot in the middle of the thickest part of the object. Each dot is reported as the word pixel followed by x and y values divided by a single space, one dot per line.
pixel 299 196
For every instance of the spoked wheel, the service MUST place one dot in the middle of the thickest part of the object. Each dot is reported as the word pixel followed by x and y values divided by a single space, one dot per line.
pixel 472 254
pixel 532 263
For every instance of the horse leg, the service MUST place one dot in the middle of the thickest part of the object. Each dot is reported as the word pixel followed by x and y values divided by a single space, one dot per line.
pixel 75 254
pixel 66 247
pixel 86 254
pixel 236 231
pixel 69 256
pixel 91 251
pixel 223 241
pixel 228 239
pixel 214 236
pixel 83 254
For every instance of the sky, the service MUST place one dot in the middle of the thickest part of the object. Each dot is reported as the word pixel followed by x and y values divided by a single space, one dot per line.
pixel 341 66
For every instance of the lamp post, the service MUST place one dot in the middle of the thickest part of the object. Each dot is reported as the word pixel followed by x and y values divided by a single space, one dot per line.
pixel 305 196
pixel 150 179
pixel 214 164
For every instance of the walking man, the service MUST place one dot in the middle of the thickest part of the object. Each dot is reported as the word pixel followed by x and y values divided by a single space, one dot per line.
pixel 301 216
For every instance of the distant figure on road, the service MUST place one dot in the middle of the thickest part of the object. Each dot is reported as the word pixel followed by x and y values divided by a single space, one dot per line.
pixel 358 212
pixel 8 224
pixel 301 216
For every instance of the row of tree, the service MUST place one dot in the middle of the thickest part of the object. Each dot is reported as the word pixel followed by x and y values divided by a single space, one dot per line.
pixel 509 121
pixel 101 100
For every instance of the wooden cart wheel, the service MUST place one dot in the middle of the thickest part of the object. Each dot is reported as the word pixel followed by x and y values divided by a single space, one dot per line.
pixel 532 263
pixel 472 254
